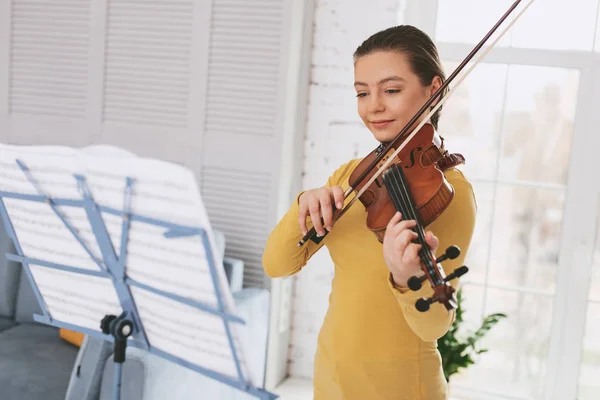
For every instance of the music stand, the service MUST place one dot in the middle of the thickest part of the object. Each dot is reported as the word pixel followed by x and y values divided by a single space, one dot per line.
pixel 122 249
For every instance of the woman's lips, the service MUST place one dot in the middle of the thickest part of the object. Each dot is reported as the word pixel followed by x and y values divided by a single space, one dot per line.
pixel 381 123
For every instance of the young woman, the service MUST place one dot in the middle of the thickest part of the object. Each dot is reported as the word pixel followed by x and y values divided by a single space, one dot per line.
pixel 374 344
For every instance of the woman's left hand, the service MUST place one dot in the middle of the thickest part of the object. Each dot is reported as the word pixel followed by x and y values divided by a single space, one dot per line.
pixel 400 253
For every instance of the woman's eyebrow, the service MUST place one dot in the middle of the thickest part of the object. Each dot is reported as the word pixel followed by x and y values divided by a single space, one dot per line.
pixel 384 80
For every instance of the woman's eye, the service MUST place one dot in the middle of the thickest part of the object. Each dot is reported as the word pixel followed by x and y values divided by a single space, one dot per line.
pixel 393 91
pixel 361 95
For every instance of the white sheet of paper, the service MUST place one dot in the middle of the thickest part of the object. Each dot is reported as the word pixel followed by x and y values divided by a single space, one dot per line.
pixel 161 190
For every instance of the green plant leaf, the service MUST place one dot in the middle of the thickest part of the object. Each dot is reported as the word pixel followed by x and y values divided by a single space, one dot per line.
pixel 459 349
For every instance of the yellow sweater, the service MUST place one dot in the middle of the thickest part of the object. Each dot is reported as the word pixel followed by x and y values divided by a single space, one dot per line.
pixel 374 344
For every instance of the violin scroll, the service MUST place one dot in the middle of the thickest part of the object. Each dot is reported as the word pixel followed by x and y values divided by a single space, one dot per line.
pixel 447 299
pixel 414 283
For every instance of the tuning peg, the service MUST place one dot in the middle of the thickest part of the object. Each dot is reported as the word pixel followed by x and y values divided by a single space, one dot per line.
pixel 423 304
pixel 451 253
pixel 457 273
pixel 414 283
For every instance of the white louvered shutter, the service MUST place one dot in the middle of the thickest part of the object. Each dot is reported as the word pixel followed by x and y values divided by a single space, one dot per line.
pixel 242 126
pixel 44 60
pixel 151 75
pixel 147 75
pixel 49 58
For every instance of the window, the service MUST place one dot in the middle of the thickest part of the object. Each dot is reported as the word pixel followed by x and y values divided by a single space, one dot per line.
pixel 466 21
pixel 590 362
pixel 522 120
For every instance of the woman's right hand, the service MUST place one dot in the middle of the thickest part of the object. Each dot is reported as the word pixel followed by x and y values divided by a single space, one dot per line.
pixel 319 203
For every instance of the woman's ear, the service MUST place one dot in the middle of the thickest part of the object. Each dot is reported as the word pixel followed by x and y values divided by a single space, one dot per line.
pixel 436 83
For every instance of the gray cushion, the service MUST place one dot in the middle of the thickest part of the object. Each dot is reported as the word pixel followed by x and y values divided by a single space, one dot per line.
pixel 27 303
pixel 9 275
pixel 234 270
pixel 87 371
pixel 35 363
pixel 6 323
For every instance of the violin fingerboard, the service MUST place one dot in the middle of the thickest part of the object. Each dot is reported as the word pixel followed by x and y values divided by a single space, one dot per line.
pixel 395 182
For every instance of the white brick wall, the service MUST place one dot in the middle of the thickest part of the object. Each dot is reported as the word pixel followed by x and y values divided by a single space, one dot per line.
pixel 335 134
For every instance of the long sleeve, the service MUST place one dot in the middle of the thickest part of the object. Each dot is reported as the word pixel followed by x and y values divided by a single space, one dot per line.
pixel 282 256
pixel 454 227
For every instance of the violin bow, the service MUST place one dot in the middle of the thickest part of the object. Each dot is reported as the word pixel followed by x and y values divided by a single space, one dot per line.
pixel 437 94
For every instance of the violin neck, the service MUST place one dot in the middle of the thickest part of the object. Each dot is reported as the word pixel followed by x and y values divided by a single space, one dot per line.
pixel 397 187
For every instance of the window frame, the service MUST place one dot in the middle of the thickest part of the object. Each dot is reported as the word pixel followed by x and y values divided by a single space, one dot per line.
pixel 582 202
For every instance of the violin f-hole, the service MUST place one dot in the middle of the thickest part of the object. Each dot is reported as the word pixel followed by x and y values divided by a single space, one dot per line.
pixel 412 157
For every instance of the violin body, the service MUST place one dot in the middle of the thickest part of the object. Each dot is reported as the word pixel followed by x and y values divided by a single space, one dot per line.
pixel 430 190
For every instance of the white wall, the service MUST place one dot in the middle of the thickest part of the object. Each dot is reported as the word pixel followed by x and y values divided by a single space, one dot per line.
pixel 334 135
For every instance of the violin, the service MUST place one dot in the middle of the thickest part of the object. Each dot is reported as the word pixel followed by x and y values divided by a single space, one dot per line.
pixel 415 185
pixel 406 175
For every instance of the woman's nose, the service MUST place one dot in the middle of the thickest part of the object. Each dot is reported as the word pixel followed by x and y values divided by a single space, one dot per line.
pixel 376 104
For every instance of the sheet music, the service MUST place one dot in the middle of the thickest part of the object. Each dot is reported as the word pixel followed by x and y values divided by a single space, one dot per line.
pixel 81 300
pixel 187 333
pixel 160 190
pixel 41 233
pixel 164 191
pixel 187 274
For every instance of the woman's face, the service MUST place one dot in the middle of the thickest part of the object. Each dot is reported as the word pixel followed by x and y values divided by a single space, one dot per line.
pixel 389 93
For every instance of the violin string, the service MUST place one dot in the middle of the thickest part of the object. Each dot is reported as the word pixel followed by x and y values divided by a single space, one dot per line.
pixel 407 211
pixel 425 253
pixel 403 204
pixel 413 215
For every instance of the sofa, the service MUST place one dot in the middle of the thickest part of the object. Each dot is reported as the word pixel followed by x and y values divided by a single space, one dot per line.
pixel 36 363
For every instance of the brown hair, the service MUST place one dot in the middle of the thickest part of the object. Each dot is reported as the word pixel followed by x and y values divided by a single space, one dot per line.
pixel 417 46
